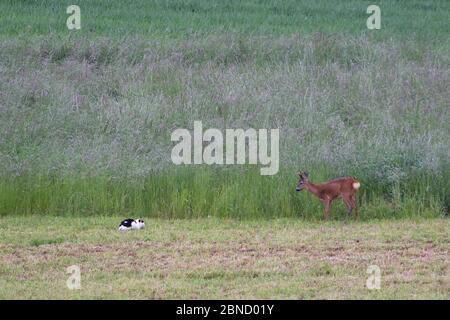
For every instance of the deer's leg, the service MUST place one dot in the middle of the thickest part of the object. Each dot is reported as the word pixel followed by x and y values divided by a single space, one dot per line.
pixel 348 203
pixel 327 204
pixel 353 202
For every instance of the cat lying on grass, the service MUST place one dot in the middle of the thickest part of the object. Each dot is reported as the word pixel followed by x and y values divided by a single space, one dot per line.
pixel 131 224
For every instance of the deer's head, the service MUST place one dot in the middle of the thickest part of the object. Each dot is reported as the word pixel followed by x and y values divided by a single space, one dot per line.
pixel 301 183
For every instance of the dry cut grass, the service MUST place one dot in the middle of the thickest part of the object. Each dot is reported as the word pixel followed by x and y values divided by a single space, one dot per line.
pixel 214 259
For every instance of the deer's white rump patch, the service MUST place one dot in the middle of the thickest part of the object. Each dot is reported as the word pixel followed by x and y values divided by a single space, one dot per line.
pixel 356 185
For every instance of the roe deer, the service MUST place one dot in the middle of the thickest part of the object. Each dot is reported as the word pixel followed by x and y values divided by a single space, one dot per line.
pixel 345 188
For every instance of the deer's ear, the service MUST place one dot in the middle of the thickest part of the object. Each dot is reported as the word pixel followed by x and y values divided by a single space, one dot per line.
pixel 306 174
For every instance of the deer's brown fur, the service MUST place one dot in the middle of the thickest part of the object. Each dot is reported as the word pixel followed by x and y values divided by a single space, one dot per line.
pixel 345 188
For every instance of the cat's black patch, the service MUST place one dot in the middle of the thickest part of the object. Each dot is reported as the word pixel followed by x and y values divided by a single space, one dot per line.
pixel 126 223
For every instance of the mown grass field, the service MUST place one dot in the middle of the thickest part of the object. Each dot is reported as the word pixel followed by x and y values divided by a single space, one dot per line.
pixel 223 259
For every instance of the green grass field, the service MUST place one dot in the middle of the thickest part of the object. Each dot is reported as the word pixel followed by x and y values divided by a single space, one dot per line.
pixel 223 259
pixel 86 118
pixel 424 20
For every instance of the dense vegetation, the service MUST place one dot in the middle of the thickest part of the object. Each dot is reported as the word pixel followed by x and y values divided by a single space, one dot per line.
pixel 86 116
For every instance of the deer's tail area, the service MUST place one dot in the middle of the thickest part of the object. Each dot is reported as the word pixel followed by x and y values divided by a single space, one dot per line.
pixel 356 185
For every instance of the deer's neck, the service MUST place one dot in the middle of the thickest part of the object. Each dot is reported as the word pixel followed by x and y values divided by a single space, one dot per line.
pixel 314 189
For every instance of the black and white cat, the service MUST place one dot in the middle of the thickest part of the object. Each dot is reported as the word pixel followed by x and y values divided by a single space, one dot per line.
pixel 131 224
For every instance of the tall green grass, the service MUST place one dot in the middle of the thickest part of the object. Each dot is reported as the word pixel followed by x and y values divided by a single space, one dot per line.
pixel 86 117
pixel 216 192
pixel 426 21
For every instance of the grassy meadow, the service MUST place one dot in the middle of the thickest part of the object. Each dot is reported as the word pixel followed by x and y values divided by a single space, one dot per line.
pixel 86 118
pixel 421 20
